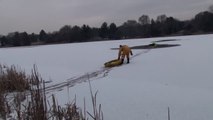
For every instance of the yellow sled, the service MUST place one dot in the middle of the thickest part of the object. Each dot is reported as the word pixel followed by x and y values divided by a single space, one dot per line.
pixel 113 63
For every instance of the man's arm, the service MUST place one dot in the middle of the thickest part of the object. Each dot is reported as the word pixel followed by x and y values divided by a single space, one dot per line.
pixel 131 52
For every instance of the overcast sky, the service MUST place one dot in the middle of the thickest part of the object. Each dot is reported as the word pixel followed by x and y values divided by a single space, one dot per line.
pixel 51 15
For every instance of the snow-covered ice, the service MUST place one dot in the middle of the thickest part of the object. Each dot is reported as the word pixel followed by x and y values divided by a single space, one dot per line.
pixel 176 77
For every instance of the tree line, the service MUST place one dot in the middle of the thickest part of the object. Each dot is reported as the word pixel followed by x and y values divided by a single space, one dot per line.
pixel 142 28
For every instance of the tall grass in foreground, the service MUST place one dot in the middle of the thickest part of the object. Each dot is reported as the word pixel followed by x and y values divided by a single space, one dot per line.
pixel 12 79
pixel 23 97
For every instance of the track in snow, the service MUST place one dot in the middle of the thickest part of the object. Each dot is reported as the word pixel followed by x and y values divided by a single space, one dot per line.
pixel 102 72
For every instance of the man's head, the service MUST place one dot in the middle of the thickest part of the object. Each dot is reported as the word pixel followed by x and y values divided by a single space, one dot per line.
pixel 121 46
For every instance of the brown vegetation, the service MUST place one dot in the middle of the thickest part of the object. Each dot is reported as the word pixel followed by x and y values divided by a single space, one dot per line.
pixel 23 97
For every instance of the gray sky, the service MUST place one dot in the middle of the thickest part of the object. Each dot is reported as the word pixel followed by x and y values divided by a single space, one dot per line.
pixel 51 15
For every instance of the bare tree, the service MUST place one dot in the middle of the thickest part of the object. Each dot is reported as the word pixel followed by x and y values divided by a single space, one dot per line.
pixel 144 19
pixel 161 18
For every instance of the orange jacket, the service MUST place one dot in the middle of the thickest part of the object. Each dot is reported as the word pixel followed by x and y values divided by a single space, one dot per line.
pixel 124 51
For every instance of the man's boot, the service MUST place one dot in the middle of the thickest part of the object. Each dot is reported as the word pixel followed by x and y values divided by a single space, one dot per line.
pixel 127 60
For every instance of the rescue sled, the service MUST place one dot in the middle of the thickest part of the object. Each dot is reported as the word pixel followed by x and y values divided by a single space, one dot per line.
pixel 113 63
